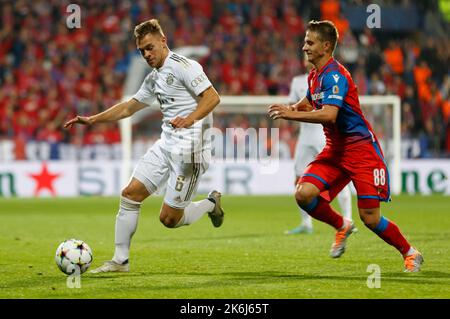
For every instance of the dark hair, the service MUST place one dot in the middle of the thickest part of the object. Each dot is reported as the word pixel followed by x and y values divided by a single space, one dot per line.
pixel 326 30
pixel 150 26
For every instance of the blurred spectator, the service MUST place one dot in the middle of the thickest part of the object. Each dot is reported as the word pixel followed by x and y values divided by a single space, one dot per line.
pixel 422 75
pixel 393 56
pixel 330 9
pixel 349 51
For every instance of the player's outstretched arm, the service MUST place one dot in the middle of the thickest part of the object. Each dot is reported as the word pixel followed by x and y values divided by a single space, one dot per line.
pixel 114 113
pixel 209 99
pixel 284 111
pixel 327 114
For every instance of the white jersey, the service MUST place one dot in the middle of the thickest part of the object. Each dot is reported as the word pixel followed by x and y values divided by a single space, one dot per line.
pixel 176 85
pixel 310 133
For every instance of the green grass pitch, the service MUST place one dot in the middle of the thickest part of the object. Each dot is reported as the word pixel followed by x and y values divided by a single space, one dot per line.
pixel 248 257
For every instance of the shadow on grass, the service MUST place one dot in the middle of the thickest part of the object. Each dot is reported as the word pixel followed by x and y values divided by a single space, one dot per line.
pixel 155 283
pixel 155 279
pixel 230 278
pixel 422 274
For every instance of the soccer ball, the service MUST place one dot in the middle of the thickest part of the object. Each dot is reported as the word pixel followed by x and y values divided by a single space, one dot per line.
pixel 73 256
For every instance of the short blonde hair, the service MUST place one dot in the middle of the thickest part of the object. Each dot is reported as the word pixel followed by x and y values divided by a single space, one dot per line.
pixel 150 26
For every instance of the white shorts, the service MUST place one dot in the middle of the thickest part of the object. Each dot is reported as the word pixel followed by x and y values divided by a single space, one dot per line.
pixel 160 171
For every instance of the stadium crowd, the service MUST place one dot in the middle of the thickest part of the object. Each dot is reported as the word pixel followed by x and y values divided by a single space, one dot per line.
pixel 49 72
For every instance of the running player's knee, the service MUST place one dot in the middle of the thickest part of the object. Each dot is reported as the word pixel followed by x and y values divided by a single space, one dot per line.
pixel 170 216
pixel 370 217
pixel 168 221
pixel 300 198
pixel 306 193
pixel 129 193
pixel 126 192
pixel 303 198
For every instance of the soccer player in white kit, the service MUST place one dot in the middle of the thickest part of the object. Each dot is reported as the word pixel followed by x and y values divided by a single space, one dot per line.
pixel 178 159
pixel 310 142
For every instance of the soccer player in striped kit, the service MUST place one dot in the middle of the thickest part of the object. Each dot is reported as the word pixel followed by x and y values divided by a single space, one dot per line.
pixel 352 152
pixel 180 157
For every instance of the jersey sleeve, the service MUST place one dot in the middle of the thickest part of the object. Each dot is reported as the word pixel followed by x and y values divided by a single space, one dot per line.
pixel 144 95
pixel 334 88
pixel 193 77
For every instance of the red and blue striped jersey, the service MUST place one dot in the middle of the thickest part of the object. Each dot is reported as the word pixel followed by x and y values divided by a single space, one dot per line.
pixel 333 85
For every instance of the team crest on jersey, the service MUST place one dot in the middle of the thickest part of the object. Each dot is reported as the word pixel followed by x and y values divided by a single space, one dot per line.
pixel 335 89
pixel 169 79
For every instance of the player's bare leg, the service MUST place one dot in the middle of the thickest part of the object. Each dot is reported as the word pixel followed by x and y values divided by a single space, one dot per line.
pixel 306 193
pixel 307 197
pixel 126 223
pixel 390 233
pixel 171 217
pixel 305 226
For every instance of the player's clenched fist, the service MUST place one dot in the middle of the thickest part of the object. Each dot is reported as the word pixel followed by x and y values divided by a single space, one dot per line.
pixel 77 120
pixel 277 111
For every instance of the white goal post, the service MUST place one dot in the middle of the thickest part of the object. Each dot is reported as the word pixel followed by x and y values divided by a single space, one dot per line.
pixel 259 104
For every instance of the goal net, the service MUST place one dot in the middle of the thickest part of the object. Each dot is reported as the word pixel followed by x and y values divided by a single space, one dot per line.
pixel 383 112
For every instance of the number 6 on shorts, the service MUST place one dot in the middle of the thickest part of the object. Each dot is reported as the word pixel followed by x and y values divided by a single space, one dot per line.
pixel 180 183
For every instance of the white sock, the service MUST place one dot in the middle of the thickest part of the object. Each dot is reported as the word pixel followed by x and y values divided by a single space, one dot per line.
pixel 126 224
pixel 345 202
pixel 306 219
pixel 194 211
